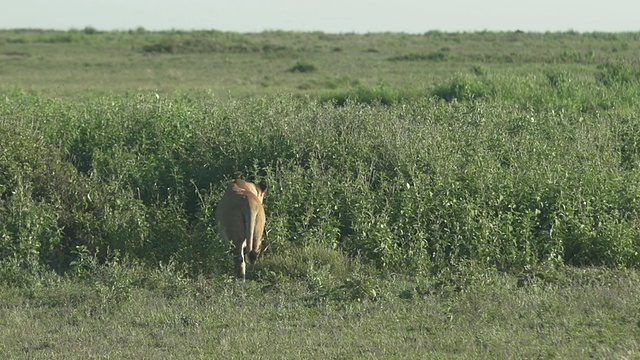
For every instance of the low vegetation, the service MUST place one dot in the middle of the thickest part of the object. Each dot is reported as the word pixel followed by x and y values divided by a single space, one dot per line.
pixel 126 312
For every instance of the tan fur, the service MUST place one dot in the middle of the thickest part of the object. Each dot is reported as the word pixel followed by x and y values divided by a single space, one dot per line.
pixel 241 220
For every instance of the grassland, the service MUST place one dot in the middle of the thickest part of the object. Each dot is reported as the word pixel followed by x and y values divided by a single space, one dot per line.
pixel 249 64
pixel 593 315
pixel 437 195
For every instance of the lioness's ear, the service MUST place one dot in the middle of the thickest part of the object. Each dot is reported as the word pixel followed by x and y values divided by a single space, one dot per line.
pixel 263 186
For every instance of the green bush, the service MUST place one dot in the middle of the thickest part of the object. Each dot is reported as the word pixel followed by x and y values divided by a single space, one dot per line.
pixel 302 67
pixel 464 88
pixel 611 74
pixel 440 55
pixel 159 48
pixel 418 185
pixel 384 95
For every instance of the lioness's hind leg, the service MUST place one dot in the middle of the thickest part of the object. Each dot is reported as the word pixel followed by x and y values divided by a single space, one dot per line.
pixel 240 263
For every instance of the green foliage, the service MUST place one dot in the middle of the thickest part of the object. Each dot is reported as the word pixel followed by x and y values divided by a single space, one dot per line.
pixel 26 273
pixel 209 42
pixel 464 88
pixel 616 74
pixel 318 264
pixel 29 227
pixel 158 48
pixel 302 67
pixel 90 30
pixel 381 94
pixel 440 55
pixel 417 186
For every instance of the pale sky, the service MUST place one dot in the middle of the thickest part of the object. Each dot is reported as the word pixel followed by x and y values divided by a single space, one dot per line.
pixel 330 16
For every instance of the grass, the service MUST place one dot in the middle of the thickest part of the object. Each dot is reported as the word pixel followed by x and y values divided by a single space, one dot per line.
pixel 437 195
pixel 233 64
pixel 589 313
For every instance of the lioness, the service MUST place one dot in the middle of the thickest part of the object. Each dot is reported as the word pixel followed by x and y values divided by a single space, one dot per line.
pixel 241 219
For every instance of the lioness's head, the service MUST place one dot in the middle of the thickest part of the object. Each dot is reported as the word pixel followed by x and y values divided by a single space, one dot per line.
pixel 261 188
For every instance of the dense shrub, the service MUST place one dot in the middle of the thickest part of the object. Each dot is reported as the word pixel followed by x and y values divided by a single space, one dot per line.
pixel 464 88
pixel 158 48
pixel 440 55
pixel 367 95
pixel 611 74
pixel 302 67
pixel 418 185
